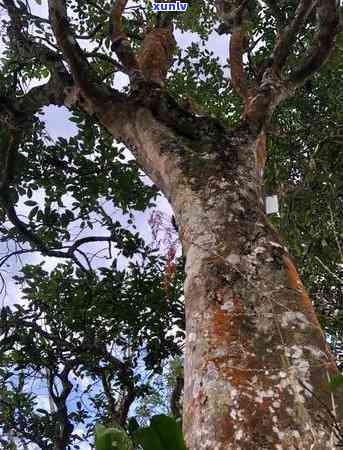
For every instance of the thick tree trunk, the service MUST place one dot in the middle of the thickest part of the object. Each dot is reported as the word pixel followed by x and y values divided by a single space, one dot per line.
pixel 257 365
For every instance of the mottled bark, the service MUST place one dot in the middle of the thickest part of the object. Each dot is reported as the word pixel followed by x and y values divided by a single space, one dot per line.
pixel 257 365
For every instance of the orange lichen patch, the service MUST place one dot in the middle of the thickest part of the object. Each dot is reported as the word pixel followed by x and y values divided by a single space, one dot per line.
pixel 226 429
pixel 156 54
pixel 295 283
pixel 226 323
pixel 232 344
pixel 261 152
pixel 238 76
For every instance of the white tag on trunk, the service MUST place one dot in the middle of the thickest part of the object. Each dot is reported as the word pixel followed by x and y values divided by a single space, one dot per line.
pixel 272 204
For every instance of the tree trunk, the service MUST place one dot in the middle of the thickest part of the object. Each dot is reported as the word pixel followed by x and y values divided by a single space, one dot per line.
pixel 257 365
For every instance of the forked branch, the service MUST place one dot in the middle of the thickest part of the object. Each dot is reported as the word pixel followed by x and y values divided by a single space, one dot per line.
pixel 155 55
pixel 271 87
pixel 289 35
pixel 79 66
pixel 121 44
pixel 328 23
pixel 233 16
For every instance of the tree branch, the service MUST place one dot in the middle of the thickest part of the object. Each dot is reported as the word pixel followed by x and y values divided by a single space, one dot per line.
pixel 54 92
pixel 289 35
pixel 230 13
pixel 31 237
pixel 64 427
pixel 238 76
pixel 15 15
pixel 120 42
pixel 108 59
pixel 273 89
pixel 87 240
pixel 5 258
pixel 80 68
pixel 28 48
pixel 36 241
pixel 175 399
pixel 234 19
pixel 323 42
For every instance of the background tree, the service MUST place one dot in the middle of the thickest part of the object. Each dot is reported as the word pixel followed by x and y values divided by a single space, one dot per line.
pixel 94 344
pixel 254 346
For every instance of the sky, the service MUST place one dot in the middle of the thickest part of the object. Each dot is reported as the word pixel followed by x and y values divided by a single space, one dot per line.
pixel 58 124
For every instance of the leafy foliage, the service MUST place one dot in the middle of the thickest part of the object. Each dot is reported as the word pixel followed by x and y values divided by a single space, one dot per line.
pixel 79 325
pixel 164 433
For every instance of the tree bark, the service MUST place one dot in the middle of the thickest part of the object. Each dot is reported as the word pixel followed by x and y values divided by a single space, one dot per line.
pixel 257 365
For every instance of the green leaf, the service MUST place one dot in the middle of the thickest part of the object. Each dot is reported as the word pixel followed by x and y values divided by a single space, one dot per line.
pixel 30 203
pixel 111 438
pixel 169 432
pixel 148 439
pixel 33 212
pixel 133 425
pixel 164 433
pixel 102 440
